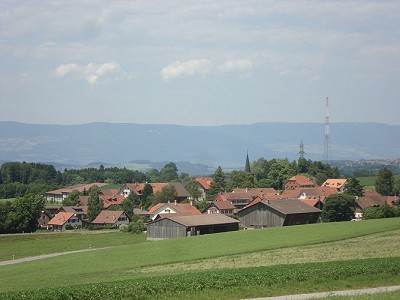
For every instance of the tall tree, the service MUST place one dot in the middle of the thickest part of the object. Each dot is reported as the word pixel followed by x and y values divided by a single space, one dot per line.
pixel 146 195
pixel 72 199
pixel 354 188
pixel 127 206
pixel 193 188
pixel 169 172
pixel 384 184
pixel 24 213
pixel 259 168
pixel 218 185
pixel 167 194
pixel 95 203
pixel 338 207
pixel 240 179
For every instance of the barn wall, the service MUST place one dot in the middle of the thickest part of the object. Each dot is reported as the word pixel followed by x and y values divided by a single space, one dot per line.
pixel 297 219
pixel 165 229
pixel 259 216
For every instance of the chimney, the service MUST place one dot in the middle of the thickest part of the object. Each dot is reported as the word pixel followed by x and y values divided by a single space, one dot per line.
pixel 175 202
pixel 191 202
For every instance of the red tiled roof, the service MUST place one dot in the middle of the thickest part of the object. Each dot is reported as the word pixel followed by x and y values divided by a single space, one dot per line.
pixel 79 187
pixel 336 182
pixel 256 191
pixel 369 201
pixel 137 188
pixel 179 208
pixel 111 200
pixel 311 202
pixel 301 180
pixel 60 218
pixel 107 217
pixel 290 193
pixel 205 182
pixel 223 205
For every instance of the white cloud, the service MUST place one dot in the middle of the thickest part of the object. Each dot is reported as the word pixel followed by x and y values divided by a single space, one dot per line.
pixel 91 72
pixel 191 67
pixel 236 65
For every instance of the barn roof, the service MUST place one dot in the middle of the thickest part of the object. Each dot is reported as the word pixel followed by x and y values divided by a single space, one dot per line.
pixel 201 220
pixel 291 206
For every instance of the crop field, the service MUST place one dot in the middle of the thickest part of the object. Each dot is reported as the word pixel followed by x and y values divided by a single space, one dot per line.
pixel 254 263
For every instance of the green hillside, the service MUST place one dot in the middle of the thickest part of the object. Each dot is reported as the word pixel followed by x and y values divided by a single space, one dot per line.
pixel 310 246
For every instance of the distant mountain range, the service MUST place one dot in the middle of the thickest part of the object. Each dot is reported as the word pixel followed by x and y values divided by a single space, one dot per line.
pixel 206 146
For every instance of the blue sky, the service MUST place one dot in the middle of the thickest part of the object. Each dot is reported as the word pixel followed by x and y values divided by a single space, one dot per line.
pixel 199 62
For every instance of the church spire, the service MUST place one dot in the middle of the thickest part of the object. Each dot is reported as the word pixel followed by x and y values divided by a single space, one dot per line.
pixel 247 165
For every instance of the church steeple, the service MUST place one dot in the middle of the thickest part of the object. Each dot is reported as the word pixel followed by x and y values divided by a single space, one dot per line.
pixel 247 165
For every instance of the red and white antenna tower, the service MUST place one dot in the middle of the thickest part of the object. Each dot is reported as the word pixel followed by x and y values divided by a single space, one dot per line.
pixel 327 144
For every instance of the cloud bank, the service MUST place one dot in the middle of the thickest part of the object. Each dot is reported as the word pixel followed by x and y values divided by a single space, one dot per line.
pixel 91 72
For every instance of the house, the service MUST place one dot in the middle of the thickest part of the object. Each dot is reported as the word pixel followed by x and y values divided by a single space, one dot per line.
pixel 283 212
pixel 318 193
pixel 107 200
pixel 62 219
pixel 204 186
pixel 45 217
pixel 112 218
pixel 60 194
pixel 163 209
pixel 182 226
pixel 339 184
pixel 372 199
pixel 299 181
pixel 137 188
pixel 238 199
pixel 80 211
pixel 220 207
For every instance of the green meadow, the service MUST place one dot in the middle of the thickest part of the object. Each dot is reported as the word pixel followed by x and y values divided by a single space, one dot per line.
pixel 252 263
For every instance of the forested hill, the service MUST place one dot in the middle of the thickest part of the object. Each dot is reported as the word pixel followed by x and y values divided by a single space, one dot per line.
pixel 210 145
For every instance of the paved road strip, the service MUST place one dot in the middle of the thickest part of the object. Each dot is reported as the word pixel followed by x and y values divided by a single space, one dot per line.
pixel 330 294
pixel 32 258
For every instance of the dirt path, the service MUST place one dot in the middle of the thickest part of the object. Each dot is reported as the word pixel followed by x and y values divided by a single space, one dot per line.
pixel 330 294
pixel 32 258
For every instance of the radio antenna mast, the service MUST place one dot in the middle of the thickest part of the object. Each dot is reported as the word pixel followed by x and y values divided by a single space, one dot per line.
pixel 327 144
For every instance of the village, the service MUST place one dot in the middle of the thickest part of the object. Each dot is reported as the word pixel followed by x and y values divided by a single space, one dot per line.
pixel 301 202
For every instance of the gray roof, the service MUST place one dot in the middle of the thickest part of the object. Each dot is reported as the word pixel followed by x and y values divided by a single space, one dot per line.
pixel 180 189
pixel 291 206
pixel 201 220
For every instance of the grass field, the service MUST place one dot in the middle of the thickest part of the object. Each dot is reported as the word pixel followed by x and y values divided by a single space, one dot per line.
pixel 24 245
pixel 335 250
pixel 369 181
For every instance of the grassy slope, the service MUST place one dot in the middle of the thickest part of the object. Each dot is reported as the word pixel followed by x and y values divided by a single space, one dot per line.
pixel 24 245
pixel 126 262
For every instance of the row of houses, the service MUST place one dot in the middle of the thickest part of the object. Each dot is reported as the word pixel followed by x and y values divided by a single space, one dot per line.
pixel 300 203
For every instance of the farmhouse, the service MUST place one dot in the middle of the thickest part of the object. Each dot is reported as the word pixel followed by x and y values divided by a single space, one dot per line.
pixel 181 226
pixel 110 217
pixel 137 188
pixel 220 207
pixel 273 213
pixel 44 219
pixel 299 181
pixel 204 186
pixel 339 184
pixel 164 209
pixel 62 219
pixel 60 194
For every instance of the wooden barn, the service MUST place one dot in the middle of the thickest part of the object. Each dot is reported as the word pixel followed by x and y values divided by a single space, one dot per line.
pixel 181 226
pixel 274 213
